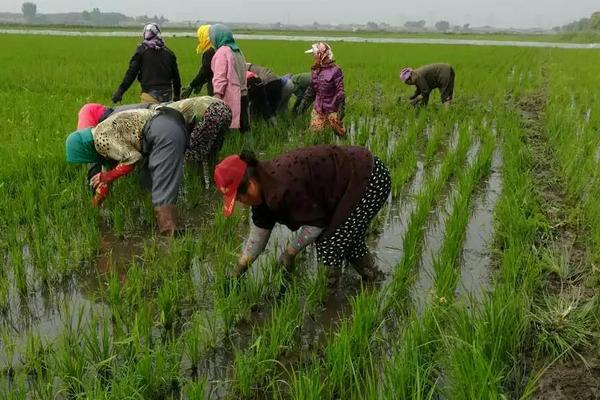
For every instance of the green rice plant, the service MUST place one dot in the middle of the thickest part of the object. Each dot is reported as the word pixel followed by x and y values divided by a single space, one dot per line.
pixel 253 366
pixel 196 390
pixel 99 350
pixel 8 349
pixel 198 340
pixel 409 373
pixel 167 303
pixel 307 385
pixel 562 325
pixel 37 357
pixel 69 359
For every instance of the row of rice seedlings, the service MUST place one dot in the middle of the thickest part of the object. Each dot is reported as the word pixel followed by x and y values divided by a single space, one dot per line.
pixel 482 342
pixel 573 134
pixel 347 356
pixel 257 367
pixel 412 370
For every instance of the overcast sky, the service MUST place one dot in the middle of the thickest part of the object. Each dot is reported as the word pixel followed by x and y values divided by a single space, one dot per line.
pixel 500 13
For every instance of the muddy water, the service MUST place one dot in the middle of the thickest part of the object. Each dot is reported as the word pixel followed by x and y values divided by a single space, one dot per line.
pixel 46 312
pixel 433 241
pixel 476 257
pixel 389 246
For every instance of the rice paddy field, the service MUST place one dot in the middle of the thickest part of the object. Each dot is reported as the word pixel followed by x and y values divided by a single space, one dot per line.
pixel 490 242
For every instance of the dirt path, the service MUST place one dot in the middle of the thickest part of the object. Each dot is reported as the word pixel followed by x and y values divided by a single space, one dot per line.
pixel 562 244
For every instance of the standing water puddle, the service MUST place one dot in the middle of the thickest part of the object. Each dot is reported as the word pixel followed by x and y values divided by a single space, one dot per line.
pixel 476 257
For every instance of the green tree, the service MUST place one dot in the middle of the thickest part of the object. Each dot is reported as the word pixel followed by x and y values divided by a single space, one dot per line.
pixel 594 23
pixel 442 26
pixel 29 10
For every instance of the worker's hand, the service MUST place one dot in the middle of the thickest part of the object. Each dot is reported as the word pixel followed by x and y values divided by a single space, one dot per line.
pixel 241 267
pixel 286 259
pixel 186 92
pixel 101 193
pixel 117 96
pixel 341 110
pixel 96 180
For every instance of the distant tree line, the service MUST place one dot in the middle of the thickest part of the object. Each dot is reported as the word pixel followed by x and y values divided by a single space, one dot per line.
pixel 93 17
pixel 584 24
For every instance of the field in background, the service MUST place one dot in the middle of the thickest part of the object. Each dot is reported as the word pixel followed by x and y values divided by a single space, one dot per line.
pixel 574 37
pixel 490 242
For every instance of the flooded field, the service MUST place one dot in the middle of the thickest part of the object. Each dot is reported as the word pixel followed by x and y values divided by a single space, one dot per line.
pixel 487 244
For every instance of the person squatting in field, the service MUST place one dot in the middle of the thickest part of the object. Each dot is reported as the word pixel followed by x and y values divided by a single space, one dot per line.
pixel 264 91
pixel 159 138
pixel 426 79
pixel 155 67
pixel 300 86
pixel 326 194
pixel 205 74
pixel 229 75
pixel 207 121
pixel 327 82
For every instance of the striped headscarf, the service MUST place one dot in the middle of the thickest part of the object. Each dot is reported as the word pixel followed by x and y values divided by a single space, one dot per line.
pixel 152 37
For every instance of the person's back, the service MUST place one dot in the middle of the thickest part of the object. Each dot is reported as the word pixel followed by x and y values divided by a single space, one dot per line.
pixel 436 75
pixel 157 72
pixel 155 67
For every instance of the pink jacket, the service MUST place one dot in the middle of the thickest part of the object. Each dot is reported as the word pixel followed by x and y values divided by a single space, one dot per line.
pixel 89 115
pixel 226 84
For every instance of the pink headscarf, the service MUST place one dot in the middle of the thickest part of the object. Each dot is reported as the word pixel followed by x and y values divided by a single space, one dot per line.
pixel 89 115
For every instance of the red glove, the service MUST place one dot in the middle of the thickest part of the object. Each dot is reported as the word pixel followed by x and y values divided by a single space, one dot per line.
pixel 101 193
pixel 117 172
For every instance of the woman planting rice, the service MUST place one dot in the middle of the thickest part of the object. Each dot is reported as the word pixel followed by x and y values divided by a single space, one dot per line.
pixel 428 78
pixel 327 194
pixel 159 137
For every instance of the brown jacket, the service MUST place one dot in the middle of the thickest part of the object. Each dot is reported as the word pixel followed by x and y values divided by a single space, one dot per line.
pixel 316 186
pixel 432 76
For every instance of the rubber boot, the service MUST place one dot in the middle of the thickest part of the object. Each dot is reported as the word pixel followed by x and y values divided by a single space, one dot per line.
pixel 366 268
pixel 166 218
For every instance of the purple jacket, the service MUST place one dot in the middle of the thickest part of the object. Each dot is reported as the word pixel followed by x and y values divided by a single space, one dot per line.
pixel 328 85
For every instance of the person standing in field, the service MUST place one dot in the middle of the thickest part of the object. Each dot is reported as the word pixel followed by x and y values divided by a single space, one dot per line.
pixel 327 82
pixel 229 75
pixel 205 74
pixel 158 137
pixel 155 67
pixel 326 194
pixel 426 79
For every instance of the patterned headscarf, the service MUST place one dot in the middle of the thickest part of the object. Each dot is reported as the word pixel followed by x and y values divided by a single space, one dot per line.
pixel 323 53
pixel 152 37
pixel 203 39
pixel 220 36
pixel 405 74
